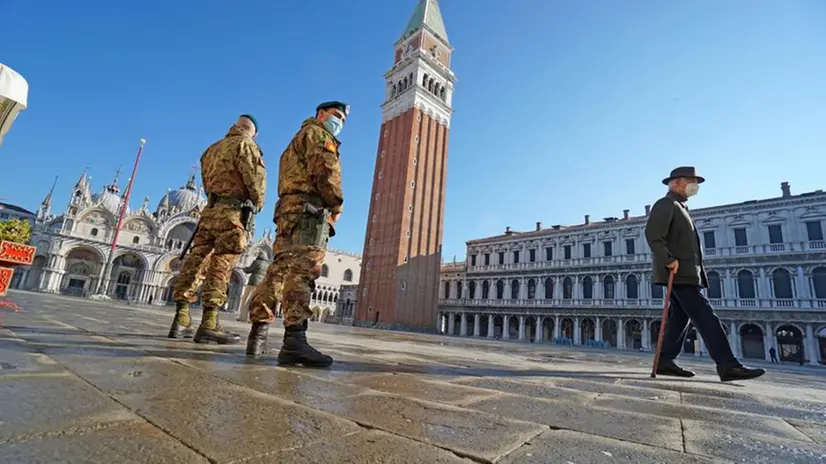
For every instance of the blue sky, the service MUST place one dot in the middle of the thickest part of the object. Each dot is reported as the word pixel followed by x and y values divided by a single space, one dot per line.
pixel 562 108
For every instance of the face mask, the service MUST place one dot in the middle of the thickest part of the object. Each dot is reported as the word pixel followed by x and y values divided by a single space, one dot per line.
pixel 334 125
pixel 692 189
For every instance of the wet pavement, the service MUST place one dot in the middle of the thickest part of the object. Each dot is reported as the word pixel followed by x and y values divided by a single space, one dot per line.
pixel 88 381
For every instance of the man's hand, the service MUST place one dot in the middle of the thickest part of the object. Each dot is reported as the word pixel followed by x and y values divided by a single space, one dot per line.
pixel 674 266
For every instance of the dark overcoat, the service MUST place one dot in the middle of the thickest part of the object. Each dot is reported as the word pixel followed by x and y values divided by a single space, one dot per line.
pixel 671 235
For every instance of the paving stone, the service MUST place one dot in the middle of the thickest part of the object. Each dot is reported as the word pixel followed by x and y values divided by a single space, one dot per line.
pixel 40 404
pixel 742 446
pixel 621 390
pixel 469 433
pixel 372 446
pixel 650 430
pixel 569 447
pixel 149 376
pixel 770 425
pixel 413 387
pixel 816 432
pixel 682 386
pixel 208 417
pixel 287 384
pixel 19 358
pixel 138 443
pixel 535 390
pixel 745 403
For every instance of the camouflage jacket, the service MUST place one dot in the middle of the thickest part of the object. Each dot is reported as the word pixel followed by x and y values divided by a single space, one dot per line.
pixel 310 171
pixel 234 167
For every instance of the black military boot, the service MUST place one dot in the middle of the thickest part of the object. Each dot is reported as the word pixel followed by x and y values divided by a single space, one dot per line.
pixel 182 324
pixel 296 350
pixel 257 340
pixel 210 330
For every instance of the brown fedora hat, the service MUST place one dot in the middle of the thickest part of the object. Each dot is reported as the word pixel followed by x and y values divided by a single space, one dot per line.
pixel 684 171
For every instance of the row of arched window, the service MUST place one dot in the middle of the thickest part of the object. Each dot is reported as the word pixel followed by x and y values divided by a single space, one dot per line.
pixel 347 277
pixel 326 297
pixel 782 283
pixel 432 86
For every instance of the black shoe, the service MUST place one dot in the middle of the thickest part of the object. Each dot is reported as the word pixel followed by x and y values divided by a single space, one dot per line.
pixel 296 350
pixel 728 374
pixel 257 340
pixel 670 368
pixel 217 335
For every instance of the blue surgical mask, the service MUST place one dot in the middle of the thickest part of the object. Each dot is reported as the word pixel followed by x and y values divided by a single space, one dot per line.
pixel 334 125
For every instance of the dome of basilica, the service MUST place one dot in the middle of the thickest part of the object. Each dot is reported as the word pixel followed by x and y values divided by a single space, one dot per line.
pixel 185 198
pixel 109 199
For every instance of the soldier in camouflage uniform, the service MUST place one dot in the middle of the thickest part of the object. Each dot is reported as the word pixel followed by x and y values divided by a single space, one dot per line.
pixel 190 296
pixel 233 173
pixel 309 182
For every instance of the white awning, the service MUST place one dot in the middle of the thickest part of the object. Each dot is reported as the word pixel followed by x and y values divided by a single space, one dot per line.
pixel 13 86
pixel 14 96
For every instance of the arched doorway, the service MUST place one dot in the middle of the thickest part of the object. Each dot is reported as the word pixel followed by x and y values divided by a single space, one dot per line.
pixel 821 343
pixel 633 334
pixel 513 327
pixel 484 322
pixel 654 333
pixel 609 332
pixel 530 328
pixel 498 326
pixel 587 330
pixel 567 329
pixel 35 272
pixel 128 270
pixel 751 341
pixel 83 266
pixel 548 329
pixel 789 343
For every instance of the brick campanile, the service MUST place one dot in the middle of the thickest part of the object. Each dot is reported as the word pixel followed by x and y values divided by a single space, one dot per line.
pixel 403 245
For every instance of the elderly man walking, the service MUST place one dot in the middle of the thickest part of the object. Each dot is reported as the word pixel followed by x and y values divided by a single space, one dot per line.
pixel 675 246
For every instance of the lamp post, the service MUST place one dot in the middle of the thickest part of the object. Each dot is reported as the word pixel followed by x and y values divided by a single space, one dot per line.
pixel 103 284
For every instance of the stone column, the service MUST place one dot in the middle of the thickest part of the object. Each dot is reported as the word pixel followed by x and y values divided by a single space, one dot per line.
pixel 734 340
pixel 491 327
pixel 577 332
pixel 702 344
pixel 646 335
pixel 597 329
pixel 802 284
pixel 810 344
pixel 451 323
pixel 521 328
pixel 769 340
pixel 557 329
pixel 620 333
pixel 463 325
pixel 477 319
pixel 506 327
pixel 538 335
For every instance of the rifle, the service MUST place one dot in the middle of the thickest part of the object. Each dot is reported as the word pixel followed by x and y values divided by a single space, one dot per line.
pixel 321 230
pixel 189 242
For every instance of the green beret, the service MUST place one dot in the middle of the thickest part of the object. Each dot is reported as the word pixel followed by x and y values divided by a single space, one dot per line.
pixel 343 107
pixel 251 118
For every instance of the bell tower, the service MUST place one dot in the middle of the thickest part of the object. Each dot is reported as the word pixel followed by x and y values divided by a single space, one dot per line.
pixel 403 244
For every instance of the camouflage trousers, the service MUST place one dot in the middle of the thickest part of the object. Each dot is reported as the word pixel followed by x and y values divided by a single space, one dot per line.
pixel 190 295
pixel 217 244
pixel 290 278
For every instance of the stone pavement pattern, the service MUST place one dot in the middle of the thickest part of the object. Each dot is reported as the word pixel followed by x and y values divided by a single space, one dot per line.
pixel 84 381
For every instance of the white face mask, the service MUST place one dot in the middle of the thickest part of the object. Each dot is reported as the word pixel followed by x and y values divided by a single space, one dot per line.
pixel 692 189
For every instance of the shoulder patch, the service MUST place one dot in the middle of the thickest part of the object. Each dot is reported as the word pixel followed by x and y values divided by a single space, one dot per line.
pixel 330 146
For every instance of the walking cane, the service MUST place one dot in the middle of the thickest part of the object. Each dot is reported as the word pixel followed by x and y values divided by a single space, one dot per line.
pixel 666 307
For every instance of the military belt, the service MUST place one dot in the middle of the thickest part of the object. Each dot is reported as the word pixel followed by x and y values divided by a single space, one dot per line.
pixel 214 199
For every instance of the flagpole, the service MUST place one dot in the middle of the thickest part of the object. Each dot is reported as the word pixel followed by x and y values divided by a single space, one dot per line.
pixel 108 269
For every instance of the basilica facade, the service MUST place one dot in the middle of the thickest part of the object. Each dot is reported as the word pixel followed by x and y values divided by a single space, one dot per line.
pixel 73 248
pixel 590 284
